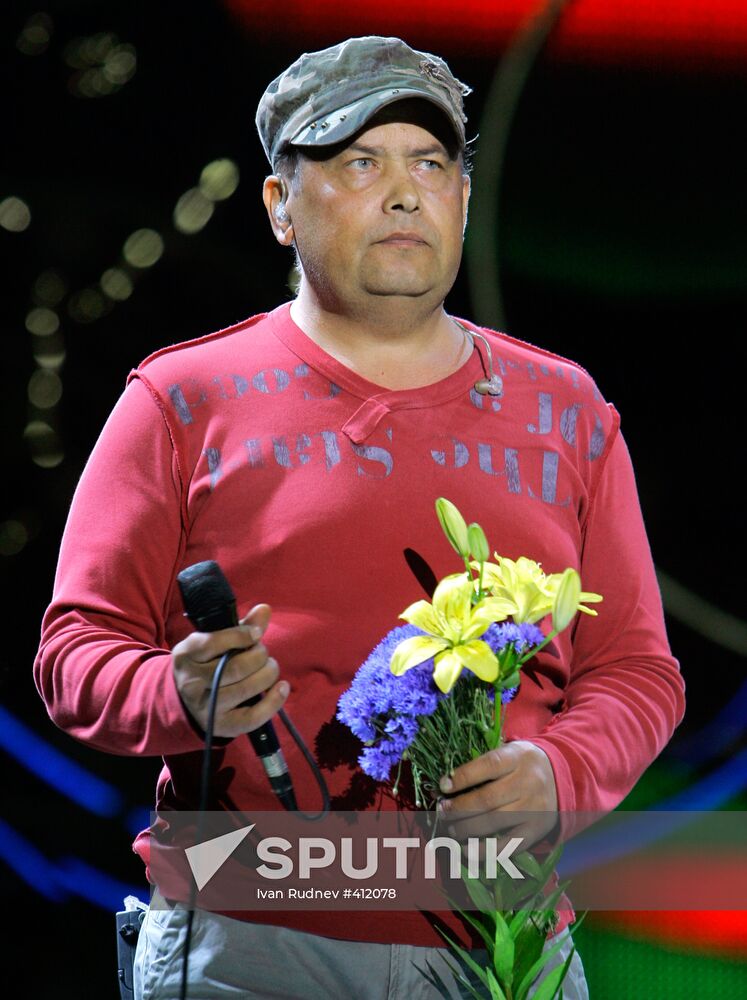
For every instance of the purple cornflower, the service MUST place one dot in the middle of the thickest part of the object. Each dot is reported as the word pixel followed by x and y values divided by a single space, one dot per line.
pixel 383 710
pixel 522 636
pixel 379 706
pixel 500 634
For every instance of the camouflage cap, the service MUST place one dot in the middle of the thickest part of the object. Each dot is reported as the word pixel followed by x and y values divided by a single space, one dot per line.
pixel 324 97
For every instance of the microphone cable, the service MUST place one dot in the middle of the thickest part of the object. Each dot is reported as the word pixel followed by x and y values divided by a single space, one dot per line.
pixel 284 796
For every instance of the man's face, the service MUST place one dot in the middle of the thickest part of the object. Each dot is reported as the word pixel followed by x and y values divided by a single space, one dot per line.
pixel 383 217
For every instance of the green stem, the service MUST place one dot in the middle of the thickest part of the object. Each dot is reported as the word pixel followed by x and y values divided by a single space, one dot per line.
pixel 533 652
pixel 498 714
pixel 395 789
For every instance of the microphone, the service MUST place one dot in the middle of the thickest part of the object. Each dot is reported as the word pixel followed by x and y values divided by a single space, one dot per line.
pixel 210 605
pixel 492 386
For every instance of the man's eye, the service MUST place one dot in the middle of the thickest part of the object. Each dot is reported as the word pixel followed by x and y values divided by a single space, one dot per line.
pixel 431 164
pixel 362 162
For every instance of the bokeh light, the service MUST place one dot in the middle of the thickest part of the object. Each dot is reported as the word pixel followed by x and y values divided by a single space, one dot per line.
pixel 13 537
pixel 50 288
pixel 192 211
pixel 44 444
pixel 90 50
pixel 219 179
pixel 49 352
pixel 116 283
pixel 15 215
pixel 120 64
pixel 88 305
pixel 35 35
pixel 143 248
pixel 42 322
pixel 102 64
pixel 44 389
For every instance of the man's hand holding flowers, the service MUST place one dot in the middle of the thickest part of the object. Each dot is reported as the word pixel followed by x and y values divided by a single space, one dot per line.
pixel 483 793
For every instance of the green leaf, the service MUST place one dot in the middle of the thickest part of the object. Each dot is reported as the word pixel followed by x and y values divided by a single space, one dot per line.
pixel 529 864
pixel 503 953
pixel 436 980
pixel 534 971
pixel 467 959
pixel 551 901
pixel 550 987
pixel 529 944
pixel 548 865
pixel 577 923
pixel 481 929
pixel 492 738
pixel 496 992
pixel 518 920
pixel 479 895
pixel 512 681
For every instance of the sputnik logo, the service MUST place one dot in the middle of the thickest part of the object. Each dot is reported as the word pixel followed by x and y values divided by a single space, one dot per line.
pixel 206 858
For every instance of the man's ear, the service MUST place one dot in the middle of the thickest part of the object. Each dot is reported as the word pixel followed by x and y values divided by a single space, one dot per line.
pixel 274 197
pixel 466 189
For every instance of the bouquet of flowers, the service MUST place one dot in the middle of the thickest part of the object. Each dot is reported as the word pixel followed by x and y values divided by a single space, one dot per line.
pixel 433 695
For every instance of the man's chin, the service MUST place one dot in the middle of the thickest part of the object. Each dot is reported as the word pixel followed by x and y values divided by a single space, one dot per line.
pixel 399 286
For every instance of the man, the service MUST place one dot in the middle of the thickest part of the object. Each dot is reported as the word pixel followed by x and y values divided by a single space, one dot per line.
pixel 303 450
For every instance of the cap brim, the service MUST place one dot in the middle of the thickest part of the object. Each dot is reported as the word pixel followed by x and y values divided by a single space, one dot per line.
pixel 340 124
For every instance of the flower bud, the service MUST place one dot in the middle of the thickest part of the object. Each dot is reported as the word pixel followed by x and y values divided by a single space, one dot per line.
pixel 478 543
pixel 454 525
pixel 565 603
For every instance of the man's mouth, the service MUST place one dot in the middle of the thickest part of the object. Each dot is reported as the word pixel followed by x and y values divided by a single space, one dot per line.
pixel 403 239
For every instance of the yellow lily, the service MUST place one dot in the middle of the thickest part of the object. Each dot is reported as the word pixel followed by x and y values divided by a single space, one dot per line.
pixel 562 598
pixel 565 603
pixel 534 592
pixel 452 624
pixel 522 582
pixel 453 525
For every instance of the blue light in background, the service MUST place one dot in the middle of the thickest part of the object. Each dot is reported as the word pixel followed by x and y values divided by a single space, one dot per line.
pixel 52 766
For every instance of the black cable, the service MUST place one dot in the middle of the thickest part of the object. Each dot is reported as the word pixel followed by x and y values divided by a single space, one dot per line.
pixel 205 789
pixel 309 817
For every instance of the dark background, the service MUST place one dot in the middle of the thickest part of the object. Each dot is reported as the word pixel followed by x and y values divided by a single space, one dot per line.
pixel 621 246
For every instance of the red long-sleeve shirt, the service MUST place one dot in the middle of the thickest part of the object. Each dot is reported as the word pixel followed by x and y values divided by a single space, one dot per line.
pixel 309 485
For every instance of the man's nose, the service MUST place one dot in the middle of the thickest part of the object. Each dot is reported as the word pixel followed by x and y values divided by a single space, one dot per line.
pixel 402 194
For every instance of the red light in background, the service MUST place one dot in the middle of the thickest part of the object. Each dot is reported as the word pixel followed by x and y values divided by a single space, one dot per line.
pixel 694 33
pixel 722 932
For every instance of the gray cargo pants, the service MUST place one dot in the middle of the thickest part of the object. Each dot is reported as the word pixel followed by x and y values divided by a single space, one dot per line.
pixel 233 958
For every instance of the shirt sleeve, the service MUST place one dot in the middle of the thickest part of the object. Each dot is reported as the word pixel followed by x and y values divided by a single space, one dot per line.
pixel 103 668
pixel 625 695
